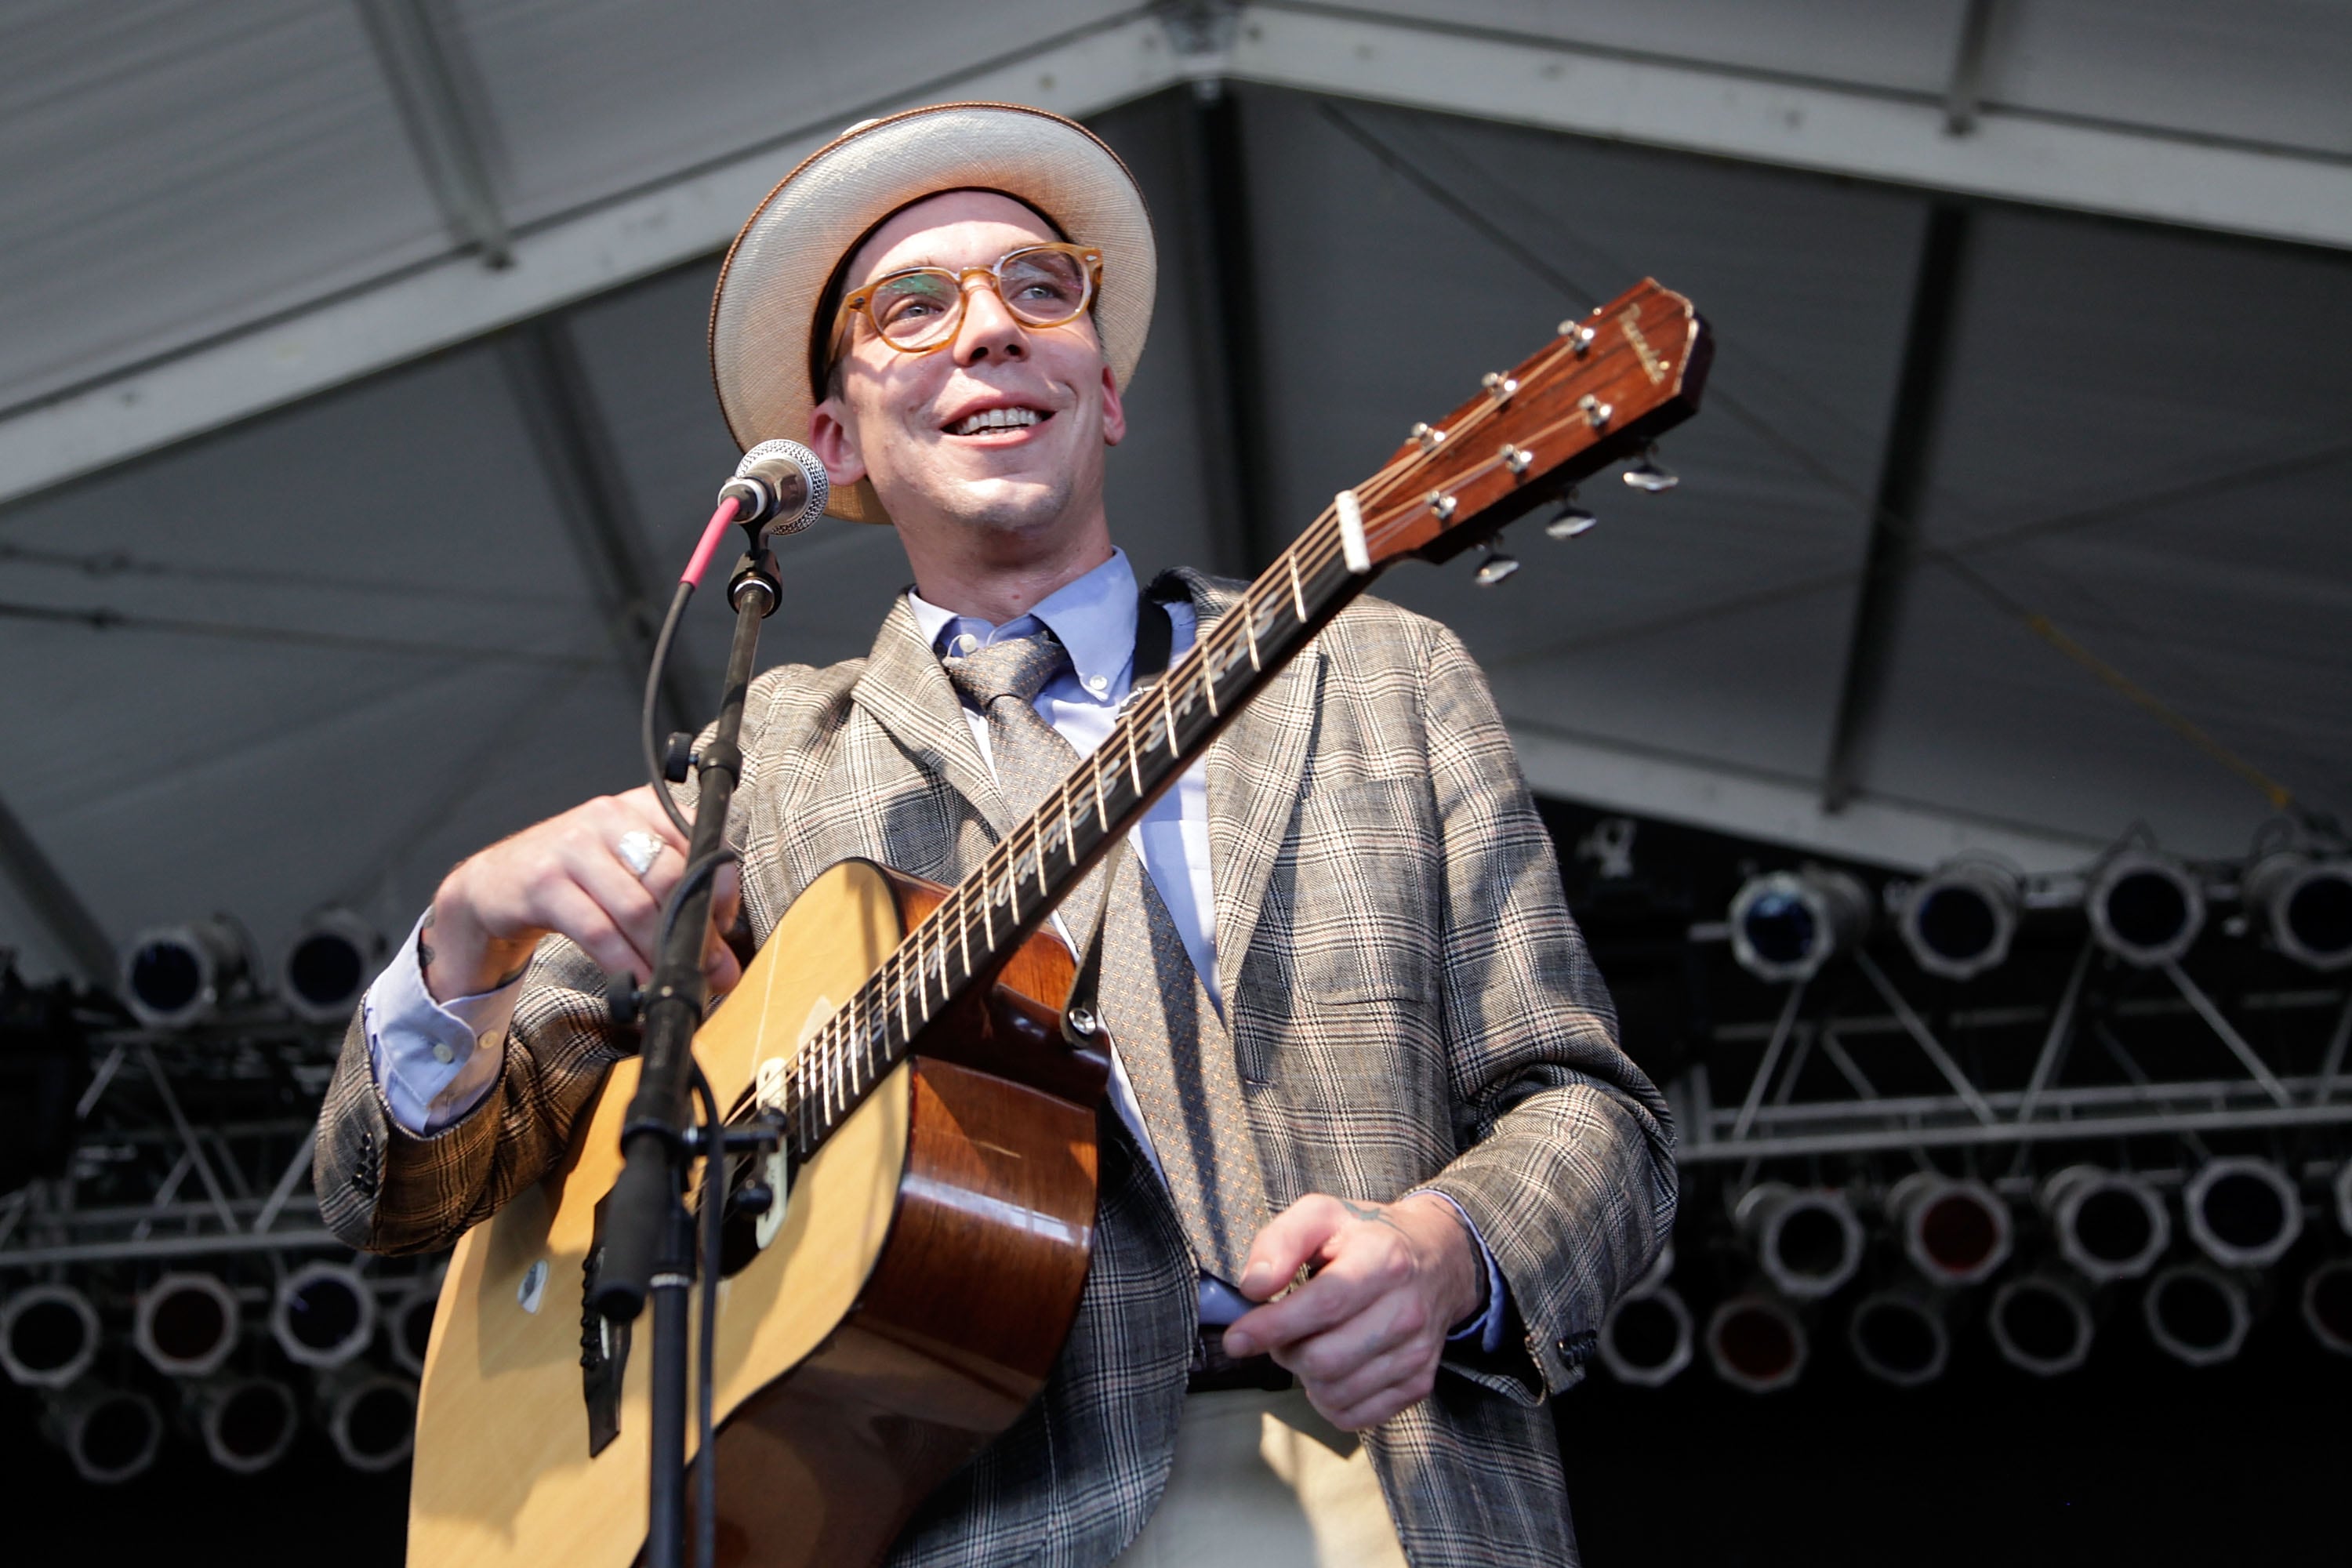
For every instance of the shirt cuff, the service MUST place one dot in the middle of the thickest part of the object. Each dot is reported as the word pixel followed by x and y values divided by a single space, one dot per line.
pixel 435 1061
pixel 1487 1326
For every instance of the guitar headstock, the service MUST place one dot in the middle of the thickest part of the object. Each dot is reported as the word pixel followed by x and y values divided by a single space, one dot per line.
pixel 1606 386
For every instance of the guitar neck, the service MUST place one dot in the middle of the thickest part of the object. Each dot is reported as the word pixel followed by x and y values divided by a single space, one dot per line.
pixel 1162 731
pixel 1606 385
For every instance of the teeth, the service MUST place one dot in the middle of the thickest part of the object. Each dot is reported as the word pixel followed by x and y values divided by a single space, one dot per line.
pixel 995 419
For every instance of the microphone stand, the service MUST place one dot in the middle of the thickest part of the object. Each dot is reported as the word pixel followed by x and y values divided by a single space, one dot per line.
pixel 648 1247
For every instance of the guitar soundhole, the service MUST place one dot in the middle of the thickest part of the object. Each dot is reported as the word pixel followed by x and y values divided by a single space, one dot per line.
pixel 749 1228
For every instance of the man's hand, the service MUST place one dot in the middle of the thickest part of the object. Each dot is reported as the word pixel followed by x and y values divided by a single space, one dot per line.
pixel 1365 1334
pixel 566 875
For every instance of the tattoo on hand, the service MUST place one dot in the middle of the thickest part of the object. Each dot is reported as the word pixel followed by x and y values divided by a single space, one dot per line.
pixel 1370 1215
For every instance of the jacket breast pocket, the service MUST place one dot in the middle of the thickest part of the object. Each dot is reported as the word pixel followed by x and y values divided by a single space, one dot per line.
pixel 1365 913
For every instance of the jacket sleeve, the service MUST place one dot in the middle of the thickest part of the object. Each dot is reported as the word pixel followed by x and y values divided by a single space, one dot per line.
pixel 1568 1170
pixel 383 1188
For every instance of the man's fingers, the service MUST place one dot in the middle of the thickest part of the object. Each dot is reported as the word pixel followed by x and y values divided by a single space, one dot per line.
pixel 1382 1325
pixel 1373 1377
pixel 580 918
pixel 1343 1289
pixel 644 811
pixel 1380 1406
pixel 1293 1238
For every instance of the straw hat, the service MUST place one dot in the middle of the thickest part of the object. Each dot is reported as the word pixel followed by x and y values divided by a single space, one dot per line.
pixel 763 325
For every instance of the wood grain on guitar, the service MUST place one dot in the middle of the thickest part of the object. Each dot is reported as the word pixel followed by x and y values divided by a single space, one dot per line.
pixel 929 1258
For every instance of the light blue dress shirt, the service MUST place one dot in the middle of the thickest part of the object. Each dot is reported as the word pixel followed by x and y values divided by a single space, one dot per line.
pixel 435 1061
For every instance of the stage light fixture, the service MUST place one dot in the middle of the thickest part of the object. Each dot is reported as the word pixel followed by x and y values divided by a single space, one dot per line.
pixel 2306 904
pixel 328 965
pixel 1954 1232
pixel 370 1416
pixel 2041 1325
pixel 110 1435
pixel 1756 1343
pixel 1786 924
pixel 1646 1340
pixel 175 976
pixel 1807 1240
pixel 2242 1213
pixel 2110 1225
pixel 1898 1337
pixel 48 1336
pixel 2327 1305
pixel 2197 1314
pixel 1959 919
pixel 246 1423
pixel 324 1315
pixel 2145 908
pixel 186 1324
pixel 2342 1187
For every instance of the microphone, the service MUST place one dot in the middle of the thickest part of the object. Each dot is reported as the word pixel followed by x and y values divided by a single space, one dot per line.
pixel 780 479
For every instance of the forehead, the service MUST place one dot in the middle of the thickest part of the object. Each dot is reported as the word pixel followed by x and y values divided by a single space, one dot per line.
pixel 972 228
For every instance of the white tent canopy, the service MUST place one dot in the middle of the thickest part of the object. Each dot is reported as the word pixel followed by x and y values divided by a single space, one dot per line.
pixel 331 541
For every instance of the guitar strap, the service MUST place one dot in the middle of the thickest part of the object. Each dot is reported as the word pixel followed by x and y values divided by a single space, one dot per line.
pixel 1155 638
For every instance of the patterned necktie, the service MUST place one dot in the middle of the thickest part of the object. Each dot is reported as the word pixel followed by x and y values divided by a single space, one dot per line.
pixel 1178 1053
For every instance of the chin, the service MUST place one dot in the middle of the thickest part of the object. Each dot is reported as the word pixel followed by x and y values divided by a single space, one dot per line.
pixel 1004 506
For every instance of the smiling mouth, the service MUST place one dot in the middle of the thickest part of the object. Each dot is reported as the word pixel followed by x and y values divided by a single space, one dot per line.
pixel 991 419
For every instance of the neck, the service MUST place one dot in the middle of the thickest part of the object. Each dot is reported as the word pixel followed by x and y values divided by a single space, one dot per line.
pixel 1000 575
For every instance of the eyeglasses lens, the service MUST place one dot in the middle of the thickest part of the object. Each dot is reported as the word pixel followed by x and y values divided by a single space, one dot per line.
pixel 1040 288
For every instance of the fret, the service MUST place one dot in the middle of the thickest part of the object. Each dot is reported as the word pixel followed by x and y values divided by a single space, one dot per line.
pixel 1290 559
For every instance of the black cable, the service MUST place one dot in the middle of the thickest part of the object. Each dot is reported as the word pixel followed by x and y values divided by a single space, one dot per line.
pixel 706 1471
pixel 694 873
pixel 652 709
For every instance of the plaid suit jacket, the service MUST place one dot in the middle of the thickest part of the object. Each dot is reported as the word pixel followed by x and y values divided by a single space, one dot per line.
pixel 1412 1007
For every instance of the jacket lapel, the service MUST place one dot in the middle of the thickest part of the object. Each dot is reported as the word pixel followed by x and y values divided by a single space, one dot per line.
pixel 1253 773
pixel 908 693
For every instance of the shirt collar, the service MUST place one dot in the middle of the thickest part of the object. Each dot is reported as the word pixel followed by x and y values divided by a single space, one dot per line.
pixel 1093 616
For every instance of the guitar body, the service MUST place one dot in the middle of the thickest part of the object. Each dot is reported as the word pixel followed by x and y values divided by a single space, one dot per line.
pixel 903 1309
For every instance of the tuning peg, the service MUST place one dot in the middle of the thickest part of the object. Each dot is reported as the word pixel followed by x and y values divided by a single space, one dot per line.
pixel 1496 566
pixel 1572 521
pixel 1647 473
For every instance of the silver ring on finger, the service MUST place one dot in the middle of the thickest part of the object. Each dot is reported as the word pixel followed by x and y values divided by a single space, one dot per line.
pixel 638 850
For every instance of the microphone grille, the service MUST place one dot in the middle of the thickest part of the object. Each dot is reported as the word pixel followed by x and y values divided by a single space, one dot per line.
pixel 768 456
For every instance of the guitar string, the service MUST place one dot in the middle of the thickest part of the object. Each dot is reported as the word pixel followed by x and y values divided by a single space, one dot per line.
pixel 1216 656
pixel 835 1047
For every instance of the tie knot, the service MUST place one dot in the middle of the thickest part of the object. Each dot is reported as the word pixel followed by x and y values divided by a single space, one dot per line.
pixel 1018 668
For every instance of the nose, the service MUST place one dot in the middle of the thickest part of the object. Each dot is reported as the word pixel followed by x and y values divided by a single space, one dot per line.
pixel 988 330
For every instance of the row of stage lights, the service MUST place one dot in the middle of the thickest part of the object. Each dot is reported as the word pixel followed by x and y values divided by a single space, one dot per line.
pixel 187 1326
pixel 2144 907
pixel 176 976
pixel 2110 1228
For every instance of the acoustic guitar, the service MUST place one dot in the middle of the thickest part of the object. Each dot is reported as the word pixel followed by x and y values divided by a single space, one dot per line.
pixel 904 1298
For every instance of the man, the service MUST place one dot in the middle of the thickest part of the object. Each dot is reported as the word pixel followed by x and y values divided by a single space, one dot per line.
pixel 1367 1037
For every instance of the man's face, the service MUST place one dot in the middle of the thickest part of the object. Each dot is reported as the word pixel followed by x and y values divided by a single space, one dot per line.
pixel 907 421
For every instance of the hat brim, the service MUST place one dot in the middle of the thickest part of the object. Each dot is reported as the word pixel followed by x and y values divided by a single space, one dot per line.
pixel 773 283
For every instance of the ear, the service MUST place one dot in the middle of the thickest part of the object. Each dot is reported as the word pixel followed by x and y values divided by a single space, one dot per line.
pixel 1114 412
pixel 836 443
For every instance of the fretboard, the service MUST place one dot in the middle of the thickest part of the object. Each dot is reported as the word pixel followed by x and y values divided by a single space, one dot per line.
pixel 1160 732
pixel 1446 482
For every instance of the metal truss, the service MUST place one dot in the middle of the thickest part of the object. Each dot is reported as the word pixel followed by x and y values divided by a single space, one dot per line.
pixel 190 1143
pixel 2115 1055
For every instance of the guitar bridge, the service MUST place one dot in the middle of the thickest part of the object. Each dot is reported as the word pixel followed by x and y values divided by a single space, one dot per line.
pixel 603 1352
